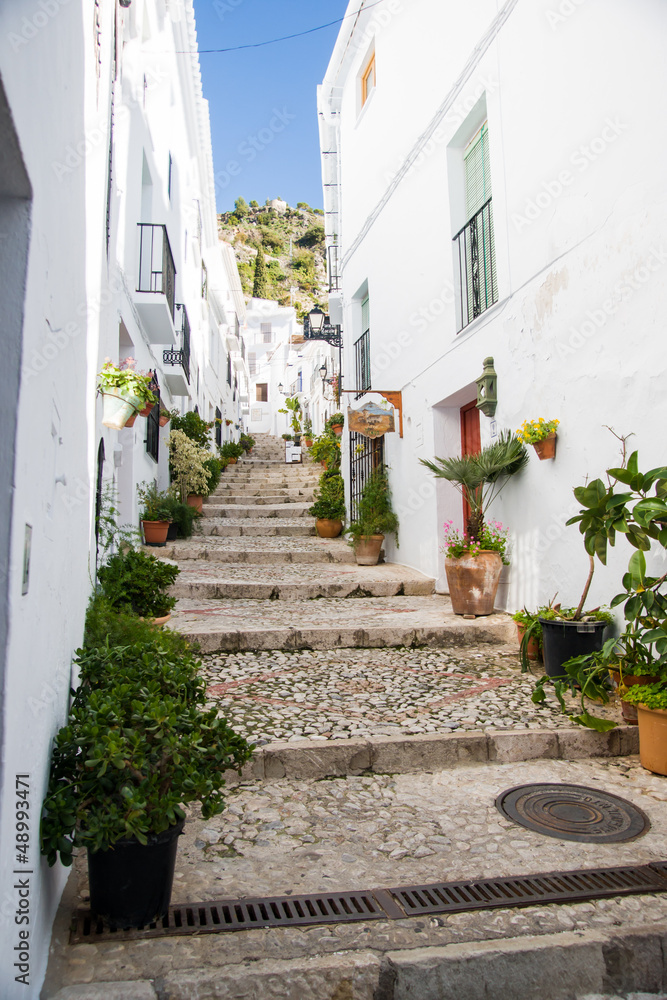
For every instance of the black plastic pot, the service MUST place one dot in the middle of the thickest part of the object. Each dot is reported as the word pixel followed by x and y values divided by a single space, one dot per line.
pixel 562 640
pixel 130 884
pixel 172 532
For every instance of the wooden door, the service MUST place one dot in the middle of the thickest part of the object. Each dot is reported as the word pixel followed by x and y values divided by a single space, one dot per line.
pixel 471 443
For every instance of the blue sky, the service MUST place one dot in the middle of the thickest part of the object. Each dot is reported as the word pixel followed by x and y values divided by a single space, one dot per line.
pixel 263 101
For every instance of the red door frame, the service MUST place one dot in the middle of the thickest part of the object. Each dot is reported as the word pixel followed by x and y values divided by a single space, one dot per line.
pixel 471 441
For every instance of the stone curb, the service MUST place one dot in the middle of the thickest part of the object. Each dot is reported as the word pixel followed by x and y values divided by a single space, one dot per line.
pixel 402 755
pixel 555 966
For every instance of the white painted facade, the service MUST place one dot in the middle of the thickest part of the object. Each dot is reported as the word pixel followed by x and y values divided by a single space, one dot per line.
pixel 576 137
pixel 70 298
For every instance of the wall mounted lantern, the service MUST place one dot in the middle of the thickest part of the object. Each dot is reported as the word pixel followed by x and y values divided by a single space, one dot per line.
pixel 487 389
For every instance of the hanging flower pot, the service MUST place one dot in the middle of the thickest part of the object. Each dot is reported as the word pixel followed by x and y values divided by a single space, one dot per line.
pixel 546 448
pixel 337 429
pixel 164 419
pixel 146 410
pixel 118 408
pixel 130 420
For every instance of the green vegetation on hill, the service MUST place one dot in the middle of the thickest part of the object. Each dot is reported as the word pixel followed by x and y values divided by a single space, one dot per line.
pixel 292 249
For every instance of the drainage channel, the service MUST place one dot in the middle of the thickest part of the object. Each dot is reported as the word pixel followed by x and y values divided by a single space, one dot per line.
pixel 383 904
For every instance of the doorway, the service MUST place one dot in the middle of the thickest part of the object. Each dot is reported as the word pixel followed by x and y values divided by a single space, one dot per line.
pixel 471 442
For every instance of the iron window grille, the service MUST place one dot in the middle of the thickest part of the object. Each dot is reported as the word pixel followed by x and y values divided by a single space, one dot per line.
pixel 362 363
pixel 476 265
pixel 157 271
pixel 366 455
pixel 153 423
pixel 182 356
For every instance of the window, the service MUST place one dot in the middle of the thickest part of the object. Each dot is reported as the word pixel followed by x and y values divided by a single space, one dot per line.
pixel 266 332
pixel 362 352
pixel 262 389
pixel 474 244
pixel 368 80
pixel 252 363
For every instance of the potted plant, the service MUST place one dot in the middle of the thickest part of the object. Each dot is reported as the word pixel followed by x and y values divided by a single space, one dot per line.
pixel 336 423
pixel 541 434
pixel 155 514
pixel 231 451
pixel 375 519
pixel 293 408
pixel 472 567
pixel 139 744
pixel 188 469
pixel 329 506
pixel 286 437
pixel 124 392
pixel 165 416
pixel 308 432
pixel 247 443
pixel 326 450
pixel 182 517
pixel 529 633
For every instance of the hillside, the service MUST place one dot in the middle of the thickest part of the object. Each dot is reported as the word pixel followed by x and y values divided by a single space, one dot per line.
pixel 293 246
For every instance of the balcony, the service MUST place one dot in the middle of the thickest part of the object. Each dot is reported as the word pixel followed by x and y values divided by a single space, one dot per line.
pixel 333 267
pixel 176 363
pixel 475 266
pixel 156 285
pixel 362 363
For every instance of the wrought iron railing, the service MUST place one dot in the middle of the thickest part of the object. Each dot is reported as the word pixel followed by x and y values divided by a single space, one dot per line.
pixel 362 363
pixel 181 356
pixel 157 271
pixel 366 455
pixel 476 261
pixel 333 267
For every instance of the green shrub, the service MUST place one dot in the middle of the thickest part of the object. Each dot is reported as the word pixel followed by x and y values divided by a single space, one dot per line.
pixel 214 469
pixel 182 515
pixel 139 582
pixel 375 513
pixel 313 236
pixel 326 448
pixel 231 449
pixel 193 426
pixel 329 498
pixel 247 442
pixel 139 742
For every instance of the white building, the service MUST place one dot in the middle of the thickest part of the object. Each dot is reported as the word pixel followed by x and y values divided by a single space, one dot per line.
pixel 104 139
pixel 269 332
pixel 523 120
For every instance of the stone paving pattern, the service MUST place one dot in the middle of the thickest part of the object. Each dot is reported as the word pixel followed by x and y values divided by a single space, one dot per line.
pixel 331 695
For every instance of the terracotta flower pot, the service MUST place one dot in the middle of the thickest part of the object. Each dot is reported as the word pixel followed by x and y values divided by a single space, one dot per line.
pixel 533 648
pixel 309 442
pixel 629 680
pixel 328 527
pixel 232 461
pixel 155 532
pixel 196 501
pixel 130 420
pixel 337 429
pixel 547 447
pixel 146 410
pixel 163 620
pixel 652 739
pixel 164 420
pixel 367 549
pixel 473 582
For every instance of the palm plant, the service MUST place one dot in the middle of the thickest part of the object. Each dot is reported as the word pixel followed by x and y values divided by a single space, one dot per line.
pixel 480 478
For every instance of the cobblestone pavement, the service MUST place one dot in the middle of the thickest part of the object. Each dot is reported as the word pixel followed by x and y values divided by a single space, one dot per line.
pixel 331 695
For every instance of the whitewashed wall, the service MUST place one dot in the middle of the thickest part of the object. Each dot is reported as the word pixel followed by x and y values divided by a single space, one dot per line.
pixel 576 140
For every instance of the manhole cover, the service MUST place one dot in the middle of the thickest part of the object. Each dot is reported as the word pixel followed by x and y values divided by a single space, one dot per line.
pixel 573 812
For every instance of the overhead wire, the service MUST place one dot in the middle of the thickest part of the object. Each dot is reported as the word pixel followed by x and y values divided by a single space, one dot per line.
pixel 297 34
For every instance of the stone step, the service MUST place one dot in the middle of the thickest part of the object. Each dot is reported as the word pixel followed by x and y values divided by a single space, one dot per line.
pixel 232 527
pixel 282 510
pixel 339 623
pixel 203 579
pixel 247 499
pixel 261 551
pixel 273 477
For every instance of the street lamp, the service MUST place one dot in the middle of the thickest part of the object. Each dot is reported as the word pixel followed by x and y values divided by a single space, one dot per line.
pixel 323 372
pixel 280 388
pixel 316 320
pixel 318 326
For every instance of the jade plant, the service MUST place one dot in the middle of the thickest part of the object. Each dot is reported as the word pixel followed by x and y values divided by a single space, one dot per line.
pixel 139 743
pixel 140 582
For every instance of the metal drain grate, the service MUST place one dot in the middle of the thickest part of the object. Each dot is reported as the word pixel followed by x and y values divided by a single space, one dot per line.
pixel 529 890
pixel 383 904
